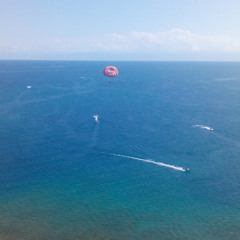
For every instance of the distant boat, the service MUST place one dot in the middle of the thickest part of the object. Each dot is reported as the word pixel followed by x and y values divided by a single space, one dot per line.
pixel 95 117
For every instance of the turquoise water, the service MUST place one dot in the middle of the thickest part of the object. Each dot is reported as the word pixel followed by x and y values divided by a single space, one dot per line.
pixel 65 176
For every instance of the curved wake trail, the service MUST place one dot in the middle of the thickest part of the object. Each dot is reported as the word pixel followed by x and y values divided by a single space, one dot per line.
pixel 204 127
pixel 150 161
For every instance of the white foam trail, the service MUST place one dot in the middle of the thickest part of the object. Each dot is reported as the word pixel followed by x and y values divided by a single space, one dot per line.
pixel 94 138
pixel 150 161
pixel 204 127
pixel 19 97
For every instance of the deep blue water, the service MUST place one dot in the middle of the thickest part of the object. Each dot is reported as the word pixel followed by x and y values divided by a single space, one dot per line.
pixel 59 179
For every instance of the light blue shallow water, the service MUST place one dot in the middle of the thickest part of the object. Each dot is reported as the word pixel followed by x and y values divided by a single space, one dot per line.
pixel 64 176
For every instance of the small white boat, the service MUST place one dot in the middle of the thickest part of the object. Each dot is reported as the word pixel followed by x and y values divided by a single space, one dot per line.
pixel 95 117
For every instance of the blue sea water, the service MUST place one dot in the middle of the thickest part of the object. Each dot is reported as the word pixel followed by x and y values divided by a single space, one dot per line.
pixel 65 176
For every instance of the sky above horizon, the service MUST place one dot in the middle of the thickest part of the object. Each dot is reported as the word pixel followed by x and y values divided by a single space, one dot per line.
pixel 188 30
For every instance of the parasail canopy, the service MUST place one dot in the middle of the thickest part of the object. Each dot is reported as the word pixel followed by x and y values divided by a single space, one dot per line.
pixel 110 71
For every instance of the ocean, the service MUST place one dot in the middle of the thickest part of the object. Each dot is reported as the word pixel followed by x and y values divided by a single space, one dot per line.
pixel 66 176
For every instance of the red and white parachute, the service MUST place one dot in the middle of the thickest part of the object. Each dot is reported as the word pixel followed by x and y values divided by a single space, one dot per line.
pixel 110 71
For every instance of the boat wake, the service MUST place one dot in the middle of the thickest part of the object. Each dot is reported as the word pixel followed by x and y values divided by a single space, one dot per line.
pixel 204 127
pixel 94 138
pixel 225 79
pixel 151 161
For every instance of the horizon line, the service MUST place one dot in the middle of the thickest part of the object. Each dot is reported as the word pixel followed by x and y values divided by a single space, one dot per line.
pixel 107 60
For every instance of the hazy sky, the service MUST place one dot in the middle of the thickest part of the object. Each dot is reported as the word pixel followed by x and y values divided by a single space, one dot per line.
pixel 120 29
